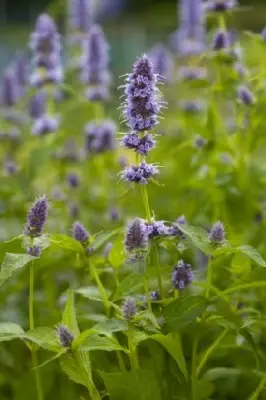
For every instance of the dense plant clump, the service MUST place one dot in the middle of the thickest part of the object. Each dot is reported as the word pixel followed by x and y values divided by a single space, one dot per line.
pixel 158 292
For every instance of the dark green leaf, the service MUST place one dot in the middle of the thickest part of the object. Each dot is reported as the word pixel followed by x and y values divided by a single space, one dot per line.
pixel 183 311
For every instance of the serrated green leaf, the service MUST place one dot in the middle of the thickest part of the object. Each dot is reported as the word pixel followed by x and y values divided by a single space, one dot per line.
pixel 69 315
pixel 183 311
pixel 103 237
pixel 172 344
pixel 74 371
pixel 198 236
pixel 130 284
pixel 9 331
pixel 66 242
pixel 91 292
pixel 13 262
pixel 111 326
pixel 44 337
pixel 105 343
pixel 253 254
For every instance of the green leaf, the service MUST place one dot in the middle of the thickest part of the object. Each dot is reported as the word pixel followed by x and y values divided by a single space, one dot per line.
pixel 103 237
pixel 132 385
pixel 9 331
pixel 253 254
pixel 74 371
pixel 130 284
pixel 69 315
pixel 221 372
pixel 111 326
pixel 198 236
pixel 183 311
pixel 117 255
pixel 90 292
pixel 11 263
pixel 66 242
pixel 172 344
pixel 104 343
pixel 45 337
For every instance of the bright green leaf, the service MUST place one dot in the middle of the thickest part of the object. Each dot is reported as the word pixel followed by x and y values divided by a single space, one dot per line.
pixel 9 331
pixel 198 236
pixel 11 263
pixel 66 242
pixel 69 315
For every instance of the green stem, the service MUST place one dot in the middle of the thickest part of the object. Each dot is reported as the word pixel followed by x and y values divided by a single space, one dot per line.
pixel 121 361
pixel 258 390
pixel 146 289
pixel 32 326
pixel 209 351
pixel 209 278
pixel 154 251
pixel 157 266
pixel 132 353
pixel 194 369
pixel 101 289
pixel 145 198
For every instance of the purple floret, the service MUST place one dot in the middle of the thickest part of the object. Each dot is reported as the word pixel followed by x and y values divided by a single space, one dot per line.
pixel 136 236
pixel 139 173
pixel 181 275
pixel 37 217
pixel 129 308
pixel 142 145
pixel 142 104
pixel 217 233
pixel 80 233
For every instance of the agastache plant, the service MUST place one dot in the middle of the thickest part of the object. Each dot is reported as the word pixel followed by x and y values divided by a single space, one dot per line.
pixel 141 110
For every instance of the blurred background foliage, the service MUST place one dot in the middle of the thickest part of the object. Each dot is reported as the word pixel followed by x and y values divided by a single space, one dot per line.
pixel 131 25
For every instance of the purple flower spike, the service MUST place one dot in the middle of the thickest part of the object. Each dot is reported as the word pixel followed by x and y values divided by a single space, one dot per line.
pixel 191 16
pixel 37 105
pixel 45 45
pixel 65 336
pixel 37 217
pixel 141 145
pixel 80 233
pixel 96 58
pixel 162 61
pixel 21 69
pixel 157 229
pixel 142 104
pixel 100 137
pixel 140 173
pixel 9 89
pixel 246 96
pixel 219 5
pixel 221 40
pixel 80 14
pixel 136 236
pixel 182 275
pixel 129 308
pixel 217 233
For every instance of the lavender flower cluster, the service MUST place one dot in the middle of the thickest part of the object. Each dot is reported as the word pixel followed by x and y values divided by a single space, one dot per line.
pixel 45 45
pixel 42 121
pixel 140 110
pixel 95 62
pixel 100 136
